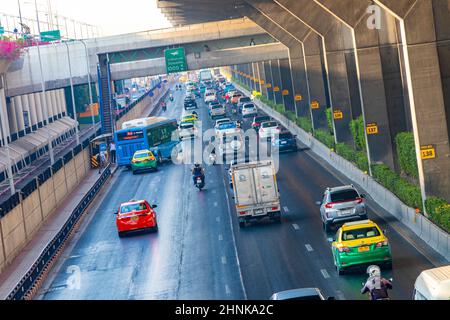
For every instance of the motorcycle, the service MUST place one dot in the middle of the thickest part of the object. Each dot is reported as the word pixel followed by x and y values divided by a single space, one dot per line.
pixel 375 285
pixel 212 158
pixel 171 98
pixel 199 183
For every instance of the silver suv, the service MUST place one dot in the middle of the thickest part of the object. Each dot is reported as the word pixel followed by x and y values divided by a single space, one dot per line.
pixel 342 204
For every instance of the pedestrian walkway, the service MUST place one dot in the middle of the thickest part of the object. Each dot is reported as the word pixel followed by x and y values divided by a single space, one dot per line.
pixel 12 275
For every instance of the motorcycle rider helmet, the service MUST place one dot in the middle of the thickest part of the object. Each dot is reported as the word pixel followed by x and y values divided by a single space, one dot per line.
pixel 197 165
pixel 374 271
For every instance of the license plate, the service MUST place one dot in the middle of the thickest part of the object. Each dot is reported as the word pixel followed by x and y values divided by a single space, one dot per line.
pixel 363 249
pixel 283 142
pixel 259 212
pixel 345 212
pixel 134 219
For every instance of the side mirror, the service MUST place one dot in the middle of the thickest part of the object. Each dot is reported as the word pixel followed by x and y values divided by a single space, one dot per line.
pixel 385 231
pixel 390 279
pixel 115 212
pixel 154 206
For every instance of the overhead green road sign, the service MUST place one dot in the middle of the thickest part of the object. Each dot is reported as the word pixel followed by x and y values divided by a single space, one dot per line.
pixel 52 35
pixel 175 60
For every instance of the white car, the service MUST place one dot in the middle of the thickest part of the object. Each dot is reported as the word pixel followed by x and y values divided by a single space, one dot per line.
pixel 268 128
pixel 229 127
pixel 217 110
pixel 231 145
pixel 187 130
pixel 210 97
pixel 249 110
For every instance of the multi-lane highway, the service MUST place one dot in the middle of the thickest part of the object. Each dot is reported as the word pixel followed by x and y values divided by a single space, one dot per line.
pixel 200 252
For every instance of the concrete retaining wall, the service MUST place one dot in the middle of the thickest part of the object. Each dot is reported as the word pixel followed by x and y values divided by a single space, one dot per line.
pixel 435 237
pixel 18 226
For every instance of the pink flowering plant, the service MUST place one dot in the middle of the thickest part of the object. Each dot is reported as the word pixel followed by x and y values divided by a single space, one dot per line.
pixel 11 49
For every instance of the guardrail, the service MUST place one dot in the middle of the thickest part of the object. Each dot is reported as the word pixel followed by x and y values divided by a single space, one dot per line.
pixel 30 282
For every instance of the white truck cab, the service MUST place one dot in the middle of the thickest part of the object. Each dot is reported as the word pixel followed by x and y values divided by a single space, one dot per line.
pixel 433 284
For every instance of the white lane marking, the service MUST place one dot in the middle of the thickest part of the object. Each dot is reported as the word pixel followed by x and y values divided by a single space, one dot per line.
pixel 218 219
pixel 309 248
pixel 325 273
pixel 286 209
pixel 224 260
pixel 340 295
pixel 214 191
pixel 227 290
pixel 296 227
pixel 220 237
pixel 215 204
pixel 234 241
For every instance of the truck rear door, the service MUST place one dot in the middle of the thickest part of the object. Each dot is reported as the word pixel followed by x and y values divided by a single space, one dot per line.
pixel 266 188
pixel 244 187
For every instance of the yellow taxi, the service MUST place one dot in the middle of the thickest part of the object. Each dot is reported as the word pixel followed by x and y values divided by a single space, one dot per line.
pixel 359 243
pixel 189 118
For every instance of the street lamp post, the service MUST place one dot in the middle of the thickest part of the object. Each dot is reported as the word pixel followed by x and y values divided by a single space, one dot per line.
pixel 73 95
pixel 91 100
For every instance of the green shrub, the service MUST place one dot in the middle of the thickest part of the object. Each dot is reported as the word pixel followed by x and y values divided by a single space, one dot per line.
pixel 404 190
pixel 291 116
pixel 325 137
pixel 358 132
pixel 359 158
pixel 305 124
pixel 406 152
pixel 439 212
pixel 330 119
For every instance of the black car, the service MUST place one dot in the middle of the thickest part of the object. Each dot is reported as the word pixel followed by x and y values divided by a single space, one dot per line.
pixel 286 141
pixel 190 104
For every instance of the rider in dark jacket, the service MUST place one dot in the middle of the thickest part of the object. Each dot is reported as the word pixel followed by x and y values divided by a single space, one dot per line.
pixel 376 285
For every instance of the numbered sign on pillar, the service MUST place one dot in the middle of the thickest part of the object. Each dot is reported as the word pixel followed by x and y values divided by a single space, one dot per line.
pixel 315 104
pixel 338 114
pixel 285 92
pixel 298 97
pixel 269 85
pixel 427 152
pixel 276 88
pixel 261 82
pixel 372 128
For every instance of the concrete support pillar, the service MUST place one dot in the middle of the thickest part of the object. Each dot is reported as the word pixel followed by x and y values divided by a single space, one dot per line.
pixel 276 79
pixel 300 82
pixel 49 106
pixel 33 112
pixel 45 108
pixel 257 76
pixel 19 113
pixel 262 77
pixel 317 81
pixel 286 85
pixel 252 76
pixel 54 104
pixel 5 132
pixel 38 104
pixel 419 30
pixel 62 98
pixel 339 83
pixel 26 112
pixel 12 117
pixel 269 81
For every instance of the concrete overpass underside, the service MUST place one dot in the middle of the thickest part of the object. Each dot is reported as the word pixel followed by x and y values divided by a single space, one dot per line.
pixel 384 60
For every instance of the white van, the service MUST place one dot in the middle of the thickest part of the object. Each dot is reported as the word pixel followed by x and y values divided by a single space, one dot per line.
pixel 433 284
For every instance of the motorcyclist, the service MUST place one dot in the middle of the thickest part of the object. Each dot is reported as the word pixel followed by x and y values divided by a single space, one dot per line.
pixel 198 171
pixel 195 112
pixel 171 97
pixel 376 285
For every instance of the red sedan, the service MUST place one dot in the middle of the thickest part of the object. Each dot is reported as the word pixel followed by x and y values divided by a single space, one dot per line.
pixel 136 215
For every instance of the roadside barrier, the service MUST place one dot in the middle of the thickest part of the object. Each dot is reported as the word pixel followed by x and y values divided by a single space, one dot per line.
pixel 33 279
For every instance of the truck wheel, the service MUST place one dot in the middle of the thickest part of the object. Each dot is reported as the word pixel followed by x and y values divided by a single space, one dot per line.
pixel 242 224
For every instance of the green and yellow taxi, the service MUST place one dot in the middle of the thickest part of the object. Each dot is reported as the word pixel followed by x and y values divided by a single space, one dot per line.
pixel 189 118
pixel 143 160
pixel 359 243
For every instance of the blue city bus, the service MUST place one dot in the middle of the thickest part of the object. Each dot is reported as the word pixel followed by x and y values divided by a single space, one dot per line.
pixel 158 134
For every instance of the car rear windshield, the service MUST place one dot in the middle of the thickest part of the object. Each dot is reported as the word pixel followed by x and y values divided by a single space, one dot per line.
pixel 249 106
pixel 133 207
pixel 228 125
pixel 216 106
pixel 344 195
pixel 245 99
pixel 285 135
pixel 142 155
pixel 360 233
pixel 269 124
pixel 262 119
pixel 186 125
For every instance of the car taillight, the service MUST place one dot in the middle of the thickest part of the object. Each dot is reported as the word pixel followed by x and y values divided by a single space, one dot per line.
pixel 359 200
pixel 344 249
pixel 152 158
pixel 274 208
pixel 329 205
pixel 242 213
pixel 382 244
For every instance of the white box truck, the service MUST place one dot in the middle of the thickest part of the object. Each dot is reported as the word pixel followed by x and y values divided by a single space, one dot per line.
pixel 255 191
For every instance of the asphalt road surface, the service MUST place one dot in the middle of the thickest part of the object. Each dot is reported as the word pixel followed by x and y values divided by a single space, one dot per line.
pixel 200 252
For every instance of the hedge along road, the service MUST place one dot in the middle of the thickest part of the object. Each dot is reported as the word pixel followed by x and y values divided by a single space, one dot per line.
pixel 192 256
